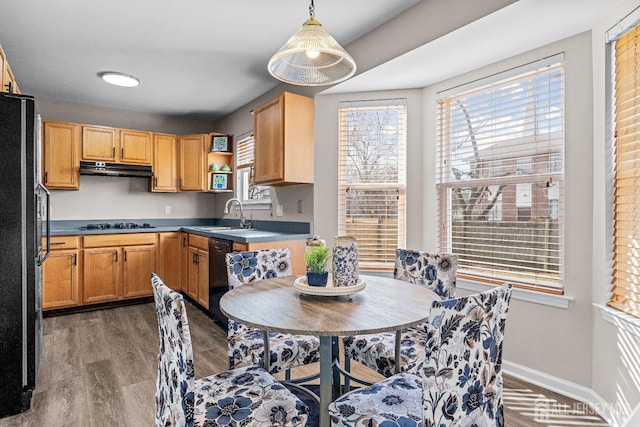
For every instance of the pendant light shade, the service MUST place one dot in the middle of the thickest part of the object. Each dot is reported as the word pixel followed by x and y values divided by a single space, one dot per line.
pixel 312 57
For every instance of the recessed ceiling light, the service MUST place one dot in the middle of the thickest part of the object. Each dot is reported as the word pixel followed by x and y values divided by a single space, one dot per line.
pixel 119 79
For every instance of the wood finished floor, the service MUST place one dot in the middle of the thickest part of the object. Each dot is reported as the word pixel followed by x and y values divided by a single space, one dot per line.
pixel 99 370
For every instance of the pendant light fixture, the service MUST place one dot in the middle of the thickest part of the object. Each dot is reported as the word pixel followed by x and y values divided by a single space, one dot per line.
pixel 312 57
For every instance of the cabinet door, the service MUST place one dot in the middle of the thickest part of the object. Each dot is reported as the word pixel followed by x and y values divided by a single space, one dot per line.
pixel 269 140
pixel 101 278
pixel 60 280
pixel 192 163
pixel 138 264
pixel 169 265
pixel 99 143
pixel 203 278
pixel 165 163
pixel 135 147
pixel 60 155
pixel 192 275
pixel 2 65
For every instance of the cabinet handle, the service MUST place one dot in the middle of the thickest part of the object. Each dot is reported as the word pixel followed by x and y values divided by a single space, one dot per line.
pixel 180 183
pixel 122 153
pixel 184 241
pixel 113 152
pixel 75 259
pixel 116 254
pixel 57 243
pixel 193 258
pixel 125 256
pixel 46 177
pixel 156 181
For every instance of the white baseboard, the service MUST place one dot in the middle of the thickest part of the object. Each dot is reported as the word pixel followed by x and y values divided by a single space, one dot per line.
pixel 566 388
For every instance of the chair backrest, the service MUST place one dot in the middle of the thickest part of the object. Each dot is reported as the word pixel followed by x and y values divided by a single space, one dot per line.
pixel 175 383
pixel 462 368
pixel 248 266
pixel 436 271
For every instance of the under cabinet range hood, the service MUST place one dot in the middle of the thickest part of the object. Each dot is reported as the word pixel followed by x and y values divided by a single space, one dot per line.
pixel 115 169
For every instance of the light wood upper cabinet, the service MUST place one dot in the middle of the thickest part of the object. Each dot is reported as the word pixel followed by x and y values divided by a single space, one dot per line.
pixel 283 132
pixel 99 143
pixel 7 80
pixel 165 163
pixel 135 147
pixel 61 143
pixel 192 170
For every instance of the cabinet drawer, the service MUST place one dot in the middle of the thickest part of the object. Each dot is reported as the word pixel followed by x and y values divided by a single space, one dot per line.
pixel 199 242
pixel 63 242
pixel 97 241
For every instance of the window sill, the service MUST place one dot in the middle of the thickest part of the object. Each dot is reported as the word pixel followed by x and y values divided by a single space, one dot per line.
pixel 619 319
pixel 552 300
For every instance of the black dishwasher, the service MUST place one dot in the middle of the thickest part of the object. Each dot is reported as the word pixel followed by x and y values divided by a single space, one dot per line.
pixel 218 282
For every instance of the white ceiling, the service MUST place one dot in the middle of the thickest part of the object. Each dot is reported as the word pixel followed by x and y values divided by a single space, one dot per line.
pixel 206 58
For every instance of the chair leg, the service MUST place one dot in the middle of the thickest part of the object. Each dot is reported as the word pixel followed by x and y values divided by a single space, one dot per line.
pixel 232 363
pixel 347 367
pixel 287 375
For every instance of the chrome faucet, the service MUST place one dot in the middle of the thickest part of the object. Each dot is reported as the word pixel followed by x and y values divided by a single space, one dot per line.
pixel 243 220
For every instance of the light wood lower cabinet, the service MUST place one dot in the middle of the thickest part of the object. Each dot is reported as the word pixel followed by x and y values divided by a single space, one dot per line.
pixel 118 266
pixel 198 270
pixel 297 247
pixel 60 274
pixel 169 265
pixel 101 274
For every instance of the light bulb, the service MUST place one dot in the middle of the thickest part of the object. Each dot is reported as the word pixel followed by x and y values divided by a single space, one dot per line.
pixel 313 54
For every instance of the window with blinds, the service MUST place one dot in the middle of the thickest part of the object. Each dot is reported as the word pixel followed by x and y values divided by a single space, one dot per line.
pixel 372 178
pixel 625 287
pixel 247 191
pixel 500 177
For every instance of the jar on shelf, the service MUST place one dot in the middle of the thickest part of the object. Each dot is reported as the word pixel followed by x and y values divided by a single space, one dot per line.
pixel 345 261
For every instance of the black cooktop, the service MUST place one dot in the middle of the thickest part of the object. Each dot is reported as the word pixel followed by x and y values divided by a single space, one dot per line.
pixel 117 225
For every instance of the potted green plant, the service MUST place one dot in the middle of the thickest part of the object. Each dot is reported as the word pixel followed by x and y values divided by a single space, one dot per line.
pixel 316 260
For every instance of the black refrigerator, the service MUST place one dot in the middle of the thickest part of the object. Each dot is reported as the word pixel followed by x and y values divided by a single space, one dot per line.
pixel 24 217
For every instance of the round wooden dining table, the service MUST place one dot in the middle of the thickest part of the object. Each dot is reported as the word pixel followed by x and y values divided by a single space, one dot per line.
pixel 385 304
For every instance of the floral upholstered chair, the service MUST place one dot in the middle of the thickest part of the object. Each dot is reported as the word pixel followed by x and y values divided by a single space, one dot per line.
pixel 247 344
pixel 457 383
pixel 436 271
pixel 246 396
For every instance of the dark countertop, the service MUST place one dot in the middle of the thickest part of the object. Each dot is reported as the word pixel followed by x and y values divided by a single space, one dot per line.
pixel 261 231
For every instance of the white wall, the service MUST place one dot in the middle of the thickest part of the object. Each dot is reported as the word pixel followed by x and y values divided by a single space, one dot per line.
pixel 326 161
pixel 123 198
pixel 547 339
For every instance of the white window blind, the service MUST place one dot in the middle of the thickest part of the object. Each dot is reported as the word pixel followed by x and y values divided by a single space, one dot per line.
pixel 247 191
pixel 372 178
pixel 500 177
pixel 626 165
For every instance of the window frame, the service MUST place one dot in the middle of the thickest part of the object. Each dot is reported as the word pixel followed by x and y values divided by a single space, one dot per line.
pixel 384 260
pixel 552 177
pixel 243 170
pixel 623 262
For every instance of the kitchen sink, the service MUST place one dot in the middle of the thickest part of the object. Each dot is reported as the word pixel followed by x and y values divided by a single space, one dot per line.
pixel 213 228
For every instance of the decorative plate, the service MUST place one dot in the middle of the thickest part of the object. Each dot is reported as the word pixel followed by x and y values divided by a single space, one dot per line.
pixel 303 287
